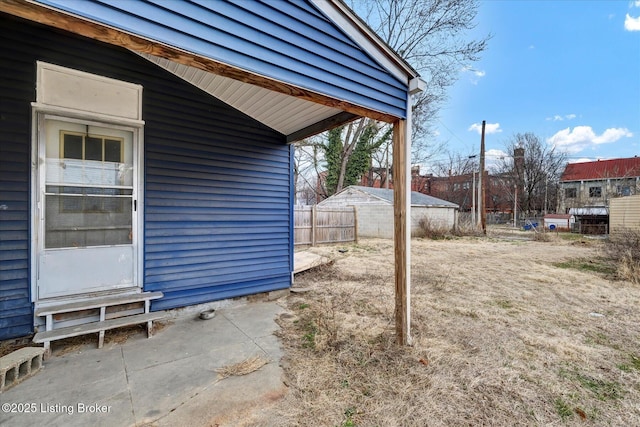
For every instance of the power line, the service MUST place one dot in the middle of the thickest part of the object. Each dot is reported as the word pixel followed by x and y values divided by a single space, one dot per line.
pixel 451 132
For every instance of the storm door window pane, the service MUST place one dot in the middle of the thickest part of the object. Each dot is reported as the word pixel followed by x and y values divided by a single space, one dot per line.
pixel 71 204
pixel 112 150
pixel 72 146
pixel 93 149
pixel 95 225
pixel 89 186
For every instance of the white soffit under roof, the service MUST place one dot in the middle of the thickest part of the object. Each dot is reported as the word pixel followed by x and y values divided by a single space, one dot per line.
pixel 283 113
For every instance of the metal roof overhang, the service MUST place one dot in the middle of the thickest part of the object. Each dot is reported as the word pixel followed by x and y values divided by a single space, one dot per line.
pixel 295 112
pixel 590 210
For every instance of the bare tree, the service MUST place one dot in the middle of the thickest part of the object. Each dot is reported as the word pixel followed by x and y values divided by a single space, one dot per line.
pixel 536 168
pixel 380 169
pixel 308 168
pixel 432 36
pixel 456 164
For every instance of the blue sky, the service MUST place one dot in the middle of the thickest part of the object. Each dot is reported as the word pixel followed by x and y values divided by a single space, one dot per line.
pixel 568 71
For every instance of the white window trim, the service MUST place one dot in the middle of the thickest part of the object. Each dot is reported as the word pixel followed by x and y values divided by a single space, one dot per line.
pixel 50 77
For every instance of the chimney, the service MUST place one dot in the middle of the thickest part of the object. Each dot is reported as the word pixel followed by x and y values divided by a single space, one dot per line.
pixel 518 158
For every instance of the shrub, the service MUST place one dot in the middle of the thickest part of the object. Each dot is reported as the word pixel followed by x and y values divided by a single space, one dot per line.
pixel 624 249
pixel 431 230
pixel 467 228
pixel 543 236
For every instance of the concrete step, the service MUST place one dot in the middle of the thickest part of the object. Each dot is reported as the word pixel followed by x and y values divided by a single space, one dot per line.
pixel 106 301
pixel 19 365
pixel 98 327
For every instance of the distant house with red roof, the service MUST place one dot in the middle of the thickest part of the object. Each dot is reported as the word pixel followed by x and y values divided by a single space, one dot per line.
pixel 593 184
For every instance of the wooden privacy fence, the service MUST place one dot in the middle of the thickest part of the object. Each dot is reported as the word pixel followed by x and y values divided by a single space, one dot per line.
pixel 314 225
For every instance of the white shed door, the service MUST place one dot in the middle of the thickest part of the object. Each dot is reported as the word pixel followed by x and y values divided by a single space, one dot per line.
pixel 86 234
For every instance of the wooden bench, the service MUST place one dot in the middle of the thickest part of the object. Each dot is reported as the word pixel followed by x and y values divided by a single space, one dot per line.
pixel 51 333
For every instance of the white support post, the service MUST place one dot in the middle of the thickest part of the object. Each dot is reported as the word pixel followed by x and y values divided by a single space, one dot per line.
pixel 48 326
pixel 407 139
pixel 147 307
pixel 103 315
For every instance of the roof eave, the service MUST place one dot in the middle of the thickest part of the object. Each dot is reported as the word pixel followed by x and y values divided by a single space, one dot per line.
pixel 387 56
pixel 85 27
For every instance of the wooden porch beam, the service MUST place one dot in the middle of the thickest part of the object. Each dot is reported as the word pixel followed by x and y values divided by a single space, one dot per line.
pixel 401 244
pixel 97 31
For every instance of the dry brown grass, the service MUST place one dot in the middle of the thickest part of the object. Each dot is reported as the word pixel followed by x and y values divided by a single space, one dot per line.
pixel 624 249
pixel 112 337
pixel 245 367
pixel 501 337
pixel 9 346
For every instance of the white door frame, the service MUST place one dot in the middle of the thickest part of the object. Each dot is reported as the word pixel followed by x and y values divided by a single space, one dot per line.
pixel 39 114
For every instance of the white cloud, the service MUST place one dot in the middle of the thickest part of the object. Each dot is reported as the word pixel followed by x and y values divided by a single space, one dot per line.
pixel 635 3
pixel 495 153
pixel 612 135
pixel 493 159
pixel 631 24
pixel 475 75
pixel 583 137
pixel 559 118
pixel 488 129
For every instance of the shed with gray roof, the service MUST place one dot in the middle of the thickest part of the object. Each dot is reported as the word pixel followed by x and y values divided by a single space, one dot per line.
pixel 374 210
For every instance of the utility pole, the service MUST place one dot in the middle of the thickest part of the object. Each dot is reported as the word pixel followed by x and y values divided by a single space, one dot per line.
pixel 546 184
pixel 481 182
pixel 473 192
pixel 473 197
pixel 478 202
pixel 515 205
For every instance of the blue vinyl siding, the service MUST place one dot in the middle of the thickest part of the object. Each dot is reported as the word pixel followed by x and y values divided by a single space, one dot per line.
pixel 217 183
pixel 217 207
pixel 290 41
pixel 16 317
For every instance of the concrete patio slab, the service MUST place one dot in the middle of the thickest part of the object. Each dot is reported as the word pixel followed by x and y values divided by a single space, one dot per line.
pixel 167 380
pixel 231 401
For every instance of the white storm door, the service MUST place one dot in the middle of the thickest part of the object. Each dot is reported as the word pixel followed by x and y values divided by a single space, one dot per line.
pixel 86 207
